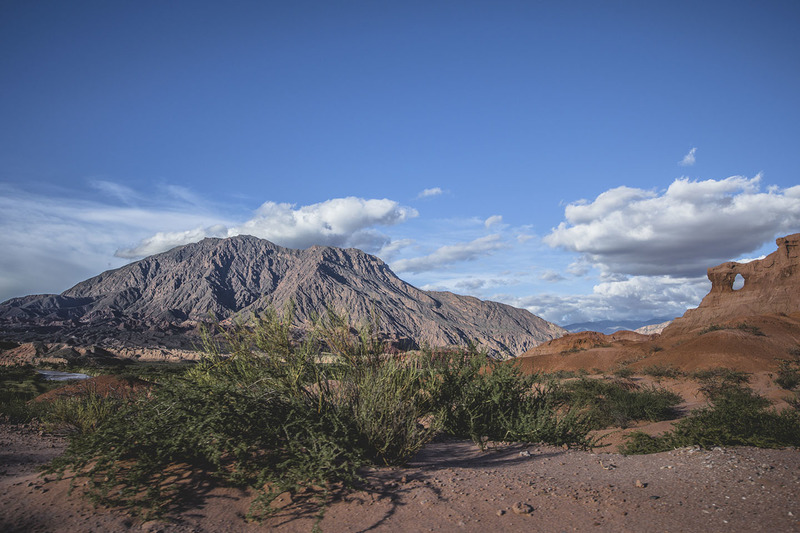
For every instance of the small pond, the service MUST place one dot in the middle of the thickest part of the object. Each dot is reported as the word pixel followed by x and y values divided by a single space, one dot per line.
pixel 55 375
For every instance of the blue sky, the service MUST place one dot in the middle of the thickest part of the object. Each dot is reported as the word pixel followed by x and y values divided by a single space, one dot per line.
pixel 585 160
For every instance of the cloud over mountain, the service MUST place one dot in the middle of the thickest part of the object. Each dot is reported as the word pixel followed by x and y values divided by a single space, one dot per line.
pixel 342 222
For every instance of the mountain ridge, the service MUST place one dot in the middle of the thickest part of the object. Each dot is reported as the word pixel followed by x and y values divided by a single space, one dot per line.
pixel 163 297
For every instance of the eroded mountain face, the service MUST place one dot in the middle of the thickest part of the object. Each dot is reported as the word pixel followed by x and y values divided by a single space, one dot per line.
pixel 160 300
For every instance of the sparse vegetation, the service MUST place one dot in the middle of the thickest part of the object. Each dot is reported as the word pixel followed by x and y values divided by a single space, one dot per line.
pixel 611 403
pixel 623 372
pixel 753 330
pixel 736 416
pixel 715 380
pixel 709 329
pixel 19 385
pixel 788 374
pixel 560 375
pixel 749 328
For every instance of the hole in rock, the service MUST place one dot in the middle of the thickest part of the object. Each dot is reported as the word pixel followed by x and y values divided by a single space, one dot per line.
pixel 738 282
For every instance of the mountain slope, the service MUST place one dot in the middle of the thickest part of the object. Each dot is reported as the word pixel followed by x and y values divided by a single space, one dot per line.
pixel 162 297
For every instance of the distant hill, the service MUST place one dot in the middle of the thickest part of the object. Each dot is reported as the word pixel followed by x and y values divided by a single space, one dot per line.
pixel 160 300
pixel 610 326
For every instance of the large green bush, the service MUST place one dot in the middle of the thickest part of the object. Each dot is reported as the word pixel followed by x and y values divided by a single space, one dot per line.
pixel 736 416
pixel 284 412
pixel 611 403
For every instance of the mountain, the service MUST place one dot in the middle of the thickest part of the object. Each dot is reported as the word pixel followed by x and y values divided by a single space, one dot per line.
pixel 160 300
pixel 610 326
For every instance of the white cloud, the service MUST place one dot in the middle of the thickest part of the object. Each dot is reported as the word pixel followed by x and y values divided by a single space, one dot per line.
pixel 343 222
pixel 453 253
pixel 637 298
pixel 55 241
pixel 678 232
pixel 427 193
pixel 121 192
pixel 493 220
pixel 391 249
pixel 474 285
pixel 689 159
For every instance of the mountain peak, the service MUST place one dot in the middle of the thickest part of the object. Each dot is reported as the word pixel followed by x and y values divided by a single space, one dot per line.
pixel 244 275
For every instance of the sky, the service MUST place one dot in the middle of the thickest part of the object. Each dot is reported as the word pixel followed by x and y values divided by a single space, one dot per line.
pixel 584 160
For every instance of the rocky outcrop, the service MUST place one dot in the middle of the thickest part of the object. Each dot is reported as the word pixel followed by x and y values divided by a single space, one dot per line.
pixel 750 329
pixel 771 286
pixel 159 302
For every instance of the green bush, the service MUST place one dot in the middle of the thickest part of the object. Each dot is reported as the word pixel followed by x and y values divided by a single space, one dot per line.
pixel 609 403
pixel 81 413
pixel 788 375
pixel 18 386
pixel 736 417
pixel 623 372
pixel 486 400
pixel 287 412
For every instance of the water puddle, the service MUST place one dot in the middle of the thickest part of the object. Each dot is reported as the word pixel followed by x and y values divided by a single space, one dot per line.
pixel 55 375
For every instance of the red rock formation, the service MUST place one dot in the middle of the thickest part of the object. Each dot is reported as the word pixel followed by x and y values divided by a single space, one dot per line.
pixel 750 329
pixel 771 286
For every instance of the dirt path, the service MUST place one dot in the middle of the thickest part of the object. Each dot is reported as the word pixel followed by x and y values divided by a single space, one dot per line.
pixel 453 486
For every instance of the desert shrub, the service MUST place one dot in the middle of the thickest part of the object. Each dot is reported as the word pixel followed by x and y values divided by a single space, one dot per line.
pixel 386 403
pixel 709 329
pixel 285 412
pixel 736 416
pixel 788 376
pixel 661 371
pixel 716 380
pixel 483 399
pixel 623 372
pixel 749 328
pixel 81 413
pixel 608 403
pixel 218 429
pixel 18 386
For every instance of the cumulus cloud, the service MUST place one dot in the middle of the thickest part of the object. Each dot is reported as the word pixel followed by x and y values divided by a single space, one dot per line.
pixel 427 193
pixel 453 253
pixel 689 159
pixel 343 222
pixel 678 232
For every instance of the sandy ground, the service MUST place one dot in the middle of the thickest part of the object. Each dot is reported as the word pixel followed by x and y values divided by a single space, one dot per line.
pixel 453 486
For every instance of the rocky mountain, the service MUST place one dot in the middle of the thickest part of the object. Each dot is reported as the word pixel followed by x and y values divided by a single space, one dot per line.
pixel 160 300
